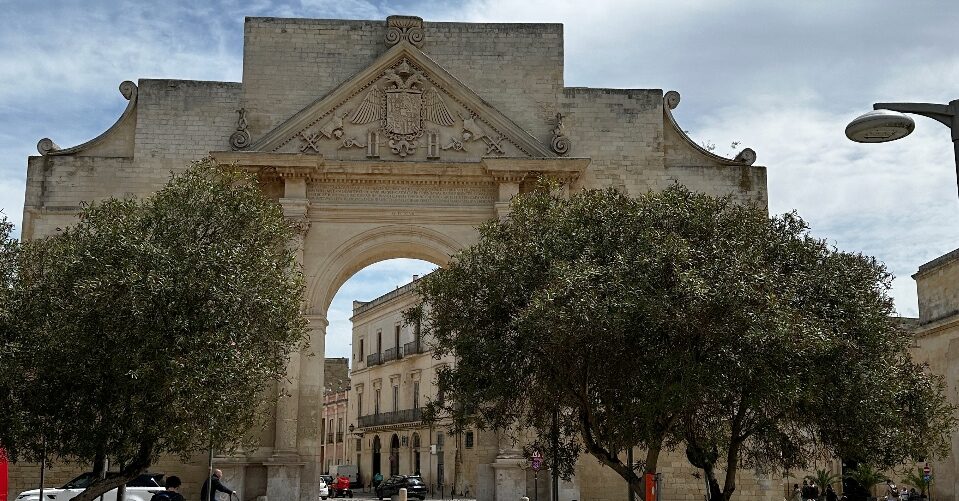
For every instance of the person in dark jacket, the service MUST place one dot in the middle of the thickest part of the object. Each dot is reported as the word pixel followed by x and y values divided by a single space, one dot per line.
pixel 210 495
pixel 831 494
pixel 172 492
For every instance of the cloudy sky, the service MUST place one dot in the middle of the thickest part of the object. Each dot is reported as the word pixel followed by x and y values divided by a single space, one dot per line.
pixel 784 78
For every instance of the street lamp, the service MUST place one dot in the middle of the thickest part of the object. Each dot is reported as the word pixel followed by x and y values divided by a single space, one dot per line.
pixel 888 123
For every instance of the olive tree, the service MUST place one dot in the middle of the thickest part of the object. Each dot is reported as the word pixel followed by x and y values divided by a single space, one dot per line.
pixel 675 320
pixel 151 326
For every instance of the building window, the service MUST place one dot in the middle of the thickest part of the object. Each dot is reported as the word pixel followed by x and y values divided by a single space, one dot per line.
pixel 396 337
pixel 469 440
pixel 339 429
pixel 376 401
pixel 359 446
pixel 416 394
pixel 359 404
pixel 440 438
pixel 379 341
pixel 361 350
pixel 396 398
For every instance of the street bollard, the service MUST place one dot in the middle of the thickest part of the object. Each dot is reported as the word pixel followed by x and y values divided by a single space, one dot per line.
pixel 402 496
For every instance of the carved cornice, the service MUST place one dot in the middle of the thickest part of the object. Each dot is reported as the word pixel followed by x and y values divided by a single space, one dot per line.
pixel 517 169
pixel 128 89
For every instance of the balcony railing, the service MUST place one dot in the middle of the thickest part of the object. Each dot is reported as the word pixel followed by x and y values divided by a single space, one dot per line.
pixel 413 348
pixel 373 359
pixel 329 438
pixel 339 436
pixel 391 354
pixel 395 417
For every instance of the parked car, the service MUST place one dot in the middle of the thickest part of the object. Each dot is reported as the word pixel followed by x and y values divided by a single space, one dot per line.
pixel 324 487
pixel 141 488
pixel 415 488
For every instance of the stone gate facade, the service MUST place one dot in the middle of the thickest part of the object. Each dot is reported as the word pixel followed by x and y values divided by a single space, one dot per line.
pixel 381 139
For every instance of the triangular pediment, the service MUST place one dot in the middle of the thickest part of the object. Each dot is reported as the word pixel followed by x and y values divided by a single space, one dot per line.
pixel 404 106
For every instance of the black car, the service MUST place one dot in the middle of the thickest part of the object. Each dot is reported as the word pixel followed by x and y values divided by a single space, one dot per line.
pixel 415 488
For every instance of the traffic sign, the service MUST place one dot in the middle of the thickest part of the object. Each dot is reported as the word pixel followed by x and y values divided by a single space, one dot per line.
pixel 926 470
pixel 537 461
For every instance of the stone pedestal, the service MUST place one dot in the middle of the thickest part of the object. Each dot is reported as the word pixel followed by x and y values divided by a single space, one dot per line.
pixel 283 480
pixel 509 475
pixel 234 477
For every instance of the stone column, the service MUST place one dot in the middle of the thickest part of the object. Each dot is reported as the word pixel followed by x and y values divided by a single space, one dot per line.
pixel 284 466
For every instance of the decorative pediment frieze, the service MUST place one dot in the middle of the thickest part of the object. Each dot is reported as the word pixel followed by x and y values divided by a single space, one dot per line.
pixel 402 107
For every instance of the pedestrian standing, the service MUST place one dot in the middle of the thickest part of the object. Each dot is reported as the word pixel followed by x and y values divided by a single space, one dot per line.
pixel 208 494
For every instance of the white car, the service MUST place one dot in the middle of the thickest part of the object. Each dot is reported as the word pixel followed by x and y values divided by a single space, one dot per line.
pixel 324 487
pixel 141 488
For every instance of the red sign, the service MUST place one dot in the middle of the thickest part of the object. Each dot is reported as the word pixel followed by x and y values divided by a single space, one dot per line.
pixel 3 476
pixel 927 470
pixel 650 482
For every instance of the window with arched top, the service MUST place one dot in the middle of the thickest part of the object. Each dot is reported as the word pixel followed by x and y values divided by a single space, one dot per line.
pixel 415 441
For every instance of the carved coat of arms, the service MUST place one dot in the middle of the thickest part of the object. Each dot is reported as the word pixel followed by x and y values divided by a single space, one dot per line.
pixel 402 107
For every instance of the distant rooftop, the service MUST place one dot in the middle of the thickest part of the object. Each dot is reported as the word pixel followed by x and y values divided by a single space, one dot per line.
pixel 364 306
pixel 939 261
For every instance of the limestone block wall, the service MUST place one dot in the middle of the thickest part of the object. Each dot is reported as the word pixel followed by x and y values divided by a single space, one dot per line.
pixel 289 63
pixel 621 130
pixel 182 120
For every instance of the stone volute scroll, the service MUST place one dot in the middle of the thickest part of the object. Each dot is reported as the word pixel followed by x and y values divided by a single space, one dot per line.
pixel 408 28
pixel 560 143
pixel 241 138
pixel 670 101
pixel 128 90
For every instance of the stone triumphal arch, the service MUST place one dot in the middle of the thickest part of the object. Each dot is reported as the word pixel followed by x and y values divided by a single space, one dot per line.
pixel 380 139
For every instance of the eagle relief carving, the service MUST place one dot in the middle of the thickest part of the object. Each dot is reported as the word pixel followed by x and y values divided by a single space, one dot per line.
pixel 402 108
pixel 397 110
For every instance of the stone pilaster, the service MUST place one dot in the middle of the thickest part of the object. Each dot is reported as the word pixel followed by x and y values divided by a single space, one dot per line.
pixel 312 388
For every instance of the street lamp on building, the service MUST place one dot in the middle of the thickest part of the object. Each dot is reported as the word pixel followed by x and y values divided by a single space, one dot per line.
pixel 888 123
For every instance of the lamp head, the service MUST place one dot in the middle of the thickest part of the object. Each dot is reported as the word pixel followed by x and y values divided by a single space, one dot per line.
pixel 880 126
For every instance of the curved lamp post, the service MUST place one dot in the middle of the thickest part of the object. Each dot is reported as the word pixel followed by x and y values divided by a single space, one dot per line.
pixel 888 123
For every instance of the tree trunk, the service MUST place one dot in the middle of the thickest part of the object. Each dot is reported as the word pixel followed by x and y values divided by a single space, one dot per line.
pixel 607 458
pixel 138 465
pixel 732 462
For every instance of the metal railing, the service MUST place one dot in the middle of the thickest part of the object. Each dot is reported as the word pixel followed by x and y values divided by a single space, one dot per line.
pixel 373 359
pixel 329 438
pixel 395 417
pixel 391 354
pixel 339 436
pixel 413 348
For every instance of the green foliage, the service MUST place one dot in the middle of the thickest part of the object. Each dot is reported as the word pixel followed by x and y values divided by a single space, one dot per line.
pixel 678 319
pixel 914 477
pixel 866 476
pixel 150 323
pixel 824 478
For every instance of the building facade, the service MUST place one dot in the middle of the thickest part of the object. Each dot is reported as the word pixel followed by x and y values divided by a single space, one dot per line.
pixel 335 402
pixel 379 139
pixel 937 343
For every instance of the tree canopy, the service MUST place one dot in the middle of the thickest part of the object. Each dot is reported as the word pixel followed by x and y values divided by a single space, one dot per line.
pixel 677 320
pixel 151 326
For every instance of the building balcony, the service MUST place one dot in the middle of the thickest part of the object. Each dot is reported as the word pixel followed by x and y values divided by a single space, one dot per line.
pixel 413 348
pixel 388 418
pixel 391 354
pixel 373 359
pixel 339 436
pixel 329 438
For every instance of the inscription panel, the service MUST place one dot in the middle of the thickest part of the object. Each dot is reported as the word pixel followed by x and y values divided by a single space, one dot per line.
pixel 403 194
